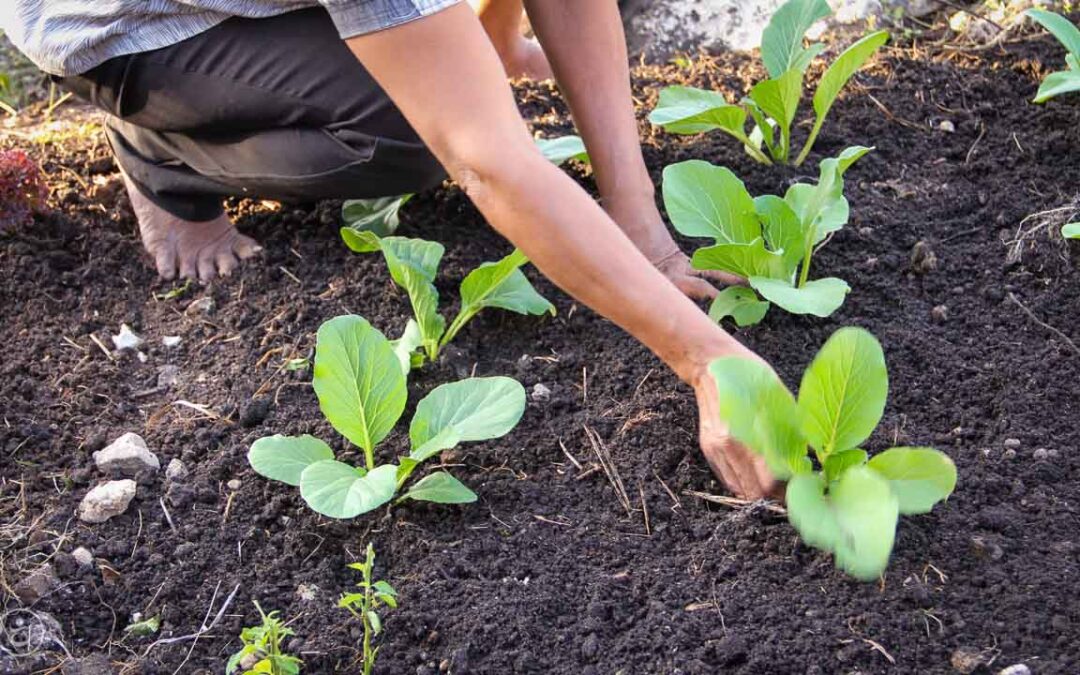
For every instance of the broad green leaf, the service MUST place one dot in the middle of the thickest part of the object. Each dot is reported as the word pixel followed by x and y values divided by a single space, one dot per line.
pixel 560 150
pixel 838 462
pixel 823 205
pixel 441 488
pixel 856 521
pixel 374 621
pixel 782 41
pixel 358 380
pixel 843 392
pixel 413 264
pixel 284 458
pixel 842 69
pixel 1060 27
pixel 410 340
pixel 384 588
pixel 782 228
pixel 447 438
pixel 703 200
pixel 761 414
pixel 820 297
pixel 919 477
pixel 1057 84
pixel 502 284
pixel 745 260
pixel 1073 61
pixel 740 303
pixel 476 409
pixel 779 98
pixel 687 110
pixel 338 490
pixel 1071 231
pixel 380 216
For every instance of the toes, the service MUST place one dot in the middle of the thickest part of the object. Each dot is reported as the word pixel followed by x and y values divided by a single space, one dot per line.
pixel 165 261
pixel 189 265
pixel 207 269
pixel 226 262
pixel 246 247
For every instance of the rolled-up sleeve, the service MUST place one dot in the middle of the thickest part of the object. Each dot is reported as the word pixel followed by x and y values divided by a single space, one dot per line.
pixel 359 17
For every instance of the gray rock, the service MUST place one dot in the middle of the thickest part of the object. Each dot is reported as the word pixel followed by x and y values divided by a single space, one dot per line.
pixel 176 470
pixel 1041 455
pixel 127 456
pixel 126 338
pixel 940 314
pixel 36 585
pixel 541 393
pixel 234 484
pixel 171 340
pixel 106 500
pixel 83 556
pixel 203 305
pixel 1012 443
pixel 1018 669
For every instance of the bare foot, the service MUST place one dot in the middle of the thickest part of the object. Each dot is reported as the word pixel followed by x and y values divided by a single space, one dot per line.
pixel 197 250
pixel 524 57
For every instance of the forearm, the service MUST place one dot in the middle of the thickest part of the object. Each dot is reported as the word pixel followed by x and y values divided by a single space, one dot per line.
pixel 585 43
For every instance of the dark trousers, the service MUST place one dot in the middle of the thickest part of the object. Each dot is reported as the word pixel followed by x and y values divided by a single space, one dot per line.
pixel 274 108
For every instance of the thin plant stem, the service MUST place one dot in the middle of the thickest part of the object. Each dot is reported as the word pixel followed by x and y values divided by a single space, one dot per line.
pixel 810 140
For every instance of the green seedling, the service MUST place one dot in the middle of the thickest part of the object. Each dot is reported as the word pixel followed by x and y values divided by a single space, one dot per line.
pixel 360 384
pixel 769 241
pixel 1065 81
pixel 262 644
pixel 364 605
pixel 772 105
pixel 1071 231
pixel 382 215
pixel 144 627
pixel 847 505
pixel 413 265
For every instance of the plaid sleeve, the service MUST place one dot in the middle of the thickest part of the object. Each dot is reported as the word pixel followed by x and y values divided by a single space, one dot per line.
pixel 358 17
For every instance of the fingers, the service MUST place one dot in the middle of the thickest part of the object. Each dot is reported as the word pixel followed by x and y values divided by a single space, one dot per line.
pixel 696 287
pixel 726 278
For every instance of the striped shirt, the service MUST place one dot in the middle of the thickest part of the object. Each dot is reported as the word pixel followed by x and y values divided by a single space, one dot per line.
pixel 69 37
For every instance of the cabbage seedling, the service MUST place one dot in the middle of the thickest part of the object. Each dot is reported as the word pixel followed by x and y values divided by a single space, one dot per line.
pixel 413 264
pixel 365 605
pixel 849 506
pixel 1065 81
pixel 382 214
pixel 773 104
pixel 769 241
pixel 361 389
pixel 263 644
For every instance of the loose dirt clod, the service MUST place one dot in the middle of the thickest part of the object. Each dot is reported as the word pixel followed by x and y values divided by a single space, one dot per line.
pixel 923 258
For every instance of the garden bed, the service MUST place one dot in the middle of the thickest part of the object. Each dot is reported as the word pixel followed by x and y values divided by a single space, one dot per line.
pixel 549 572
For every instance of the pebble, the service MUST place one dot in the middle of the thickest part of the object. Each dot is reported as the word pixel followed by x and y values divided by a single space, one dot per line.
pixel 83 556
pixel 1040 455
pixel 171 340
pixel 984 548
pixel 176 470
pixel 1012 443
pixel 126 338
pixel 127 456
pixel 966 661
pixel 168 375
pixel 541 393
pixel 234 484
pixel 923 258
pixel 947 126
pixel 203 305
pixel 1018 669
pixel 940 314
pixel 36 585
pixel 1009 454
pixel 106 500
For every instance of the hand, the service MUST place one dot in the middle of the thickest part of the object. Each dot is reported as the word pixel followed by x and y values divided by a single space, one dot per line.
pixel 694 283
pixel 743 471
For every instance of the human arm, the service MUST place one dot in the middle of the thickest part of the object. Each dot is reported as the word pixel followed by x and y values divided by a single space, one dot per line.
pixel 445 77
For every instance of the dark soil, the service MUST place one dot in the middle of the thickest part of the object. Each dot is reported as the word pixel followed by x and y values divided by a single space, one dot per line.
pixel 548 573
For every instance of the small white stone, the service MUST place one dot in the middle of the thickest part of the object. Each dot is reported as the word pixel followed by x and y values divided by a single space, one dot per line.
pixel 143 358
pixel 126 338
pixel 540 392
pixel 127 455
pixel 83 556
pixel 176 470
pixel 234 484
pixel 204 305
pixel 1040 454
pixel 171 340
pixel 1013 443
pixel 1018 669
pixel 947 126
pixel 106 500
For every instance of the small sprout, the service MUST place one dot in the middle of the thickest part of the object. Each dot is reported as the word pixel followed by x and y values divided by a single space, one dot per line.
pixel 293 365
pixel 262 652
pixel 365 605
pixel 772 105
pixel 1071 231
pixel 769 241
pixel 360 383
pixel 176 292
pixel 1065 81
pixel 144 627
pixel 849 506
pixel 22 189
pixel 413 265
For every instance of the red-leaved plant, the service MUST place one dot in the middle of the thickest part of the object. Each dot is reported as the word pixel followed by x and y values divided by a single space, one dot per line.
pixel 22 190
